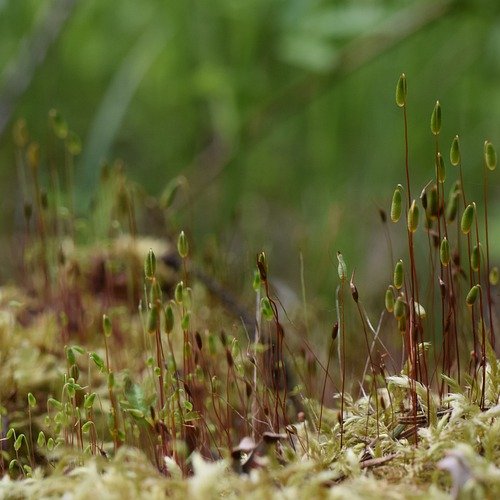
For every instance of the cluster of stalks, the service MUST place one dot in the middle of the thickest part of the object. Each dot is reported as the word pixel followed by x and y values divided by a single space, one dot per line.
pixel 459 276
pixel 197 389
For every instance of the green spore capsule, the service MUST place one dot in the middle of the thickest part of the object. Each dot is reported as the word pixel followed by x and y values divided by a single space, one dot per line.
pixel 440 168
pixel 107 328
pixel 389 300
pixel 150 265
pixel 182 245
pixel 413 217
pixel 490 155
pixel 455 151
pixel 396 205
pixel 467 218
pixel 444 252
pixel 398 275
pixel 399 308
pixel 436 119
pixel 472 295
pixel 401 91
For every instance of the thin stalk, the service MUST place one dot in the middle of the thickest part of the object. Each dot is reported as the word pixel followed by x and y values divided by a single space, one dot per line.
pixel 487 270
pixel 330 352
pixel 342 355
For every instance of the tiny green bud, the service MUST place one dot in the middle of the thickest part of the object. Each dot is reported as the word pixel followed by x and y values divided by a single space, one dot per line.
pixel 19 442
pixel 182 245
pixel 472 295
pixel 467 218
pixel 89 400
pixel 455 151
pixel 398 274
pixel 436 119
pixel 389 300
pixel 475 257
pixel 55 403
pixel 98 361
pixel 440 168
pixel 31 400
pixel 490 155
pixel 399 308
pixel 106 325
pixel 401 91
pixel 150 265
pixel 70 355
pixel 342 268
pixel 187 297
pixel 169 319
pixel 444 252
pixel 179 292
pixel 40 441
pixel 396 205
pixel 413 217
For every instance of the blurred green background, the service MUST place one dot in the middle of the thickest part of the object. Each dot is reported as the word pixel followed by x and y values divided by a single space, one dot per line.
pixel 280 114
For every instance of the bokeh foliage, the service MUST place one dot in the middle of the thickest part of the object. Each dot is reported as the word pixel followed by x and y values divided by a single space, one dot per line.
pixel 280 113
